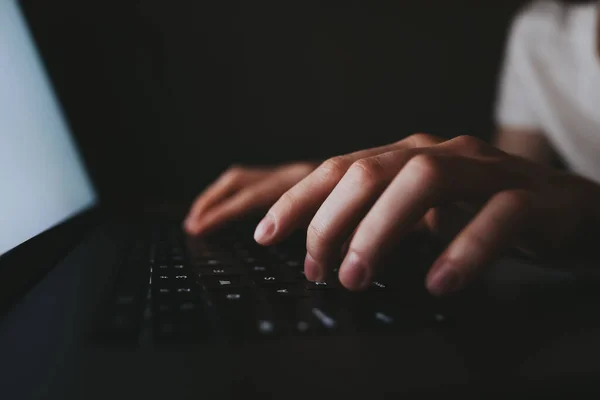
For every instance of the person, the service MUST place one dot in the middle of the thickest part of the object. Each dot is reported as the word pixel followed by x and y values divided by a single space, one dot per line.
pixel 360 204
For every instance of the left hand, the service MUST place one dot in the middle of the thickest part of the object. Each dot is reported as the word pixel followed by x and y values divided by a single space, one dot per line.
pixel 366 201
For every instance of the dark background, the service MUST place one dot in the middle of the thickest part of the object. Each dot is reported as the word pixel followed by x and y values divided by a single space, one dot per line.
pixel 164 95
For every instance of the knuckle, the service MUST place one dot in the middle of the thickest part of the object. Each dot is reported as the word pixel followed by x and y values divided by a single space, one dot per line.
pixel 423 139
pixel 234 173
pixel 425 167
pixel 288 199
pixel 198 199
pixel 367 171
pixel 285 205
pixel 470 144
pixel 247 196
pixel 517 199
pixel 317 240
pixel 334 168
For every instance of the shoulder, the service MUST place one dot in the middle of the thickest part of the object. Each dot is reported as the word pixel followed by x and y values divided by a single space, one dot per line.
pixel 537 26
pixel 536 20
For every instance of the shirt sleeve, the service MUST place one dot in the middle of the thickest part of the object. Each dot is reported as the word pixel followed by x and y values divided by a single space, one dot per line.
pixel 514 106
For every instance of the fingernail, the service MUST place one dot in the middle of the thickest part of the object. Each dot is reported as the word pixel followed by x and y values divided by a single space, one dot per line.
pixel 265 229
pixel 444 280
pixel 353 273
pixel 312 269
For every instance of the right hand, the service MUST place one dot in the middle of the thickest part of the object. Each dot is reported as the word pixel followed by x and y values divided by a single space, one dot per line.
pixel 242 190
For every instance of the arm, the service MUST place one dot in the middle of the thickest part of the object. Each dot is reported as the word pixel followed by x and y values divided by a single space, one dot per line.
pixel 520 128
pixel 360 204
pixel 527 143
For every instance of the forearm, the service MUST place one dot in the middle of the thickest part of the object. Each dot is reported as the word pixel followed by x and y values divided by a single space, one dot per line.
pixel 529 144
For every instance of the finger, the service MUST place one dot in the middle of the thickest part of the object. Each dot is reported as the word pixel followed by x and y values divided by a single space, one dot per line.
pixel 357 191
pixel 426 181
pixel 493 230
pixel 446 221
pixel 346 206
pixel 227 184
pixel 248 200
pixel 299 204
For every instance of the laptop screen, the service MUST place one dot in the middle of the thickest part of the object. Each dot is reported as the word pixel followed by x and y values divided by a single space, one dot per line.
pixel 43 181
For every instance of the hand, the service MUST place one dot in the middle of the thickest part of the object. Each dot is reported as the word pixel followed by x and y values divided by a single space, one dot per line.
pixel 240 191
pixel 366 201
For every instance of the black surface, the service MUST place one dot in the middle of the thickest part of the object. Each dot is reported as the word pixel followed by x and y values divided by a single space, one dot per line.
pixel 25 265
pixel 520 329
pixel 165 95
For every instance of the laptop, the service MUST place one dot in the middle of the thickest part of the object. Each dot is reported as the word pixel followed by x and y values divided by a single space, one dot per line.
pixel 103 304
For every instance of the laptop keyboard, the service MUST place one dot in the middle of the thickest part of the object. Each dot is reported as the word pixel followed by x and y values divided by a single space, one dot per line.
pixel 230 287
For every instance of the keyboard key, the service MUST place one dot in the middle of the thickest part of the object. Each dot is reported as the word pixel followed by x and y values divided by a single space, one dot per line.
pixel 210 254
pixel 225 282
pixel 304 322
pixel 294 264
pixel 219 271
pixel 260 270
pixel 187 307
pixel 187 295
pixel 388 311
pixel 376 285
pixel 210 263
pixel 267 321
pixel 164 308
pixel 332 312
pixel 176 258
pixel 231 297
pixel 266 327
pixel 384 318
pixel 273 280
pixel 302 326
pixel 284 292
pixel 440 318
pixel 322 285
pixel 125 299
pixel 326 320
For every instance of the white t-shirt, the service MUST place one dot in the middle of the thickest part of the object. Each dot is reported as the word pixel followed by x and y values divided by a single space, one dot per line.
pixel 550 81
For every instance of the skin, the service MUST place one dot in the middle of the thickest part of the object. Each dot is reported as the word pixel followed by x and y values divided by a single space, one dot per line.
pixel 240 191
pixel 372 198
pixel 358 205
